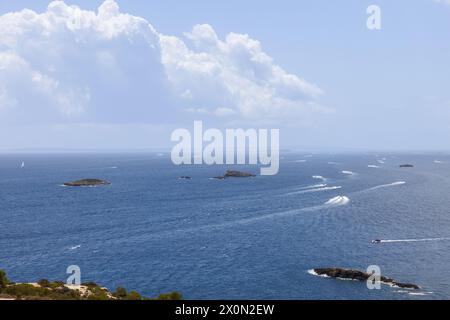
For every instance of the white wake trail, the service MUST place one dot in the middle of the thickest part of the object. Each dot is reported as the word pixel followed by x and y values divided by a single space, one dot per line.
pixel 393 184
pixel 324 188
pixel 314 186
pixel 338 201
pixel 414 240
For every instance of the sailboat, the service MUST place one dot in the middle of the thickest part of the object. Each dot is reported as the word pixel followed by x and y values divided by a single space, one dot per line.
pixel 23 164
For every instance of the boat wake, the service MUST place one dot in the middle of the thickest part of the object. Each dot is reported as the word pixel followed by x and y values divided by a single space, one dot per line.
pixel 314 273
pixel 393 184
pixel 309 190
pixel 338 201
pixel 314 186
pixel 413 240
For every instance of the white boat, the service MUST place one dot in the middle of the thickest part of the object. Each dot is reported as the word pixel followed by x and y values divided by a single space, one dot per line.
pixel 22 165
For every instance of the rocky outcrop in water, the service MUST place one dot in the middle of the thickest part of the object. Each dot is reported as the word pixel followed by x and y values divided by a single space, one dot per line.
pixel 350 274
pixel 87 183
pixel 238 174
pixel 235 174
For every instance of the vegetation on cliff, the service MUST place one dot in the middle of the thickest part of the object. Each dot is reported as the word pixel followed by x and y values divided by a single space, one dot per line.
pixel 58 290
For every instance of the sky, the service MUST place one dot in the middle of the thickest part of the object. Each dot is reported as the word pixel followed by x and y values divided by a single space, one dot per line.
pixel 88 74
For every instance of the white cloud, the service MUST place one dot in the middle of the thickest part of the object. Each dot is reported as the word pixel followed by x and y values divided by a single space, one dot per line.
pixel 20 84
pixel 234 72
pixel 219 112
pixel 69 64
pixel 447 2
pixel 224 112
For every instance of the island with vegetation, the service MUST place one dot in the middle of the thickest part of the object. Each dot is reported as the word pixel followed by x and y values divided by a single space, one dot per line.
pixel 87 183
pixel 58 290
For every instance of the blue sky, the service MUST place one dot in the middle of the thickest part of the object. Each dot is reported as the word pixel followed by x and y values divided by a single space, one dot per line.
pixel 320 75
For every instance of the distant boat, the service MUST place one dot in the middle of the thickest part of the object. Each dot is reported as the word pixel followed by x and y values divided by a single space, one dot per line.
pixel 22 165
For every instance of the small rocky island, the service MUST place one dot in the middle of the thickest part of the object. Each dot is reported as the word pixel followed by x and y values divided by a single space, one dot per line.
pixel 87 183
pixel 406 166
pixel 235 174
pixel 349 274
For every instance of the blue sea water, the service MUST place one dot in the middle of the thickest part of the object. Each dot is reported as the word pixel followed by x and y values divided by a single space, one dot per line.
pixel 252 238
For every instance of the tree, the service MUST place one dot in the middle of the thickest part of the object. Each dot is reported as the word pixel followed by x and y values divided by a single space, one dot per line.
pixel 3 280
pixel 170 296
pixel 44 283
pixel 120 293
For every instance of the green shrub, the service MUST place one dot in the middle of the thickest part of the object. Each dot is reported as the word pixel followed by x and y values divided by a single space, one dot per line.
pixel 98 293
pixel 133 295
pixel 56 284
pixel 90 284
pixel 44 283
pixel 120 293
pixel 64 293
pixel 170 296
pixel 26 290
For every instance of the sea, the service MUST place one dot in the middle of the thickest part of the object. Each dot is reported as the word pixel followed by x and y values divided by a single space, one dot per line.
pixel 237 238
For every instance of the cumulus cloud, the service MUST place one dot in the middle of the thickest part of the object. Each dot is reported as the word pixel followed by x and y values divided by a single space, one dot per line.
pixel 69 64
pixel 21 85
pixel 234 72
pixel 77 65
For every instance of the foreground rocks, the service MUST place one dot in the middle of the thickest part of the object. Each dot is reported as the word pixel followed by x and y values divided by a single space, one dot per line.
pixel 350 274
pixel 87 183
pixel 58 290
